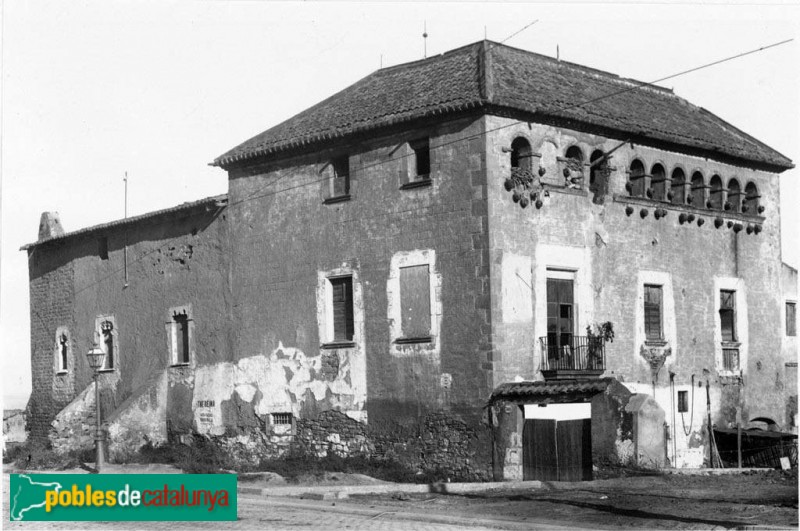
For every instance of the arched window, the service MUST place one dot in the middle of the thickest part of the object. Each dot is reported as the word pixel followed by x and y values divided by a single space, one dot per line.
pixel 63 345
pixel 636 179
pixel 715 193
pixel 734 201
pixel 658 182
pixel 521 154
pixel 63 351
pixel 573 169
pixel 751 198
pixel 107 330
pixel 697 197
pixel 678 187
pixel 574 153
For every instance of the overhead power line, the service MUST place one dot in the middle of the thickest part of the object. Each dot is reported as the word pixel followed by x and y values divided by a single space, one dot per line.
pixel 561 108
pixel 639 85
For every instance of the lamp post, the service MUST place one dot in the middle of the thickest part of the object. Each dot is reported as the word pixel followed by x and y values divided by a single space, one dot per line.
pixel 96 357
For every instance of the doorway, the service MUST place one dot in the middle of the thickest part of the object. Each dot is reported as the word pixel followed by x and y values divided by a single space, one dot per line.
pixel 560 318
pixel 557 450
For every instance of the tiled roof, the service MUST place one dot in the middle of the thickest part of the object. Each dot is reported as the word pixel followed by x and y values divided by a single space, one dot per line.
pixel 514 390
pixel 498 77
pixel 220 200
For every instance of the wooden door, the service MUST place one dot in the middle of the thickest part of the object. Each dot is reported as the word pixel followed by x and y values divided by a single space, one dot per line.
pixel 574 449
pixel 557 450
pixel 539 458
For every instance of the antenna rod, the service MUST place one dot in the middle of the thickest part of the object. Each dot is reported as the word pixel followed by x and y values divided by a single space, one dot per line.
pixel 425 38
pixel 125 248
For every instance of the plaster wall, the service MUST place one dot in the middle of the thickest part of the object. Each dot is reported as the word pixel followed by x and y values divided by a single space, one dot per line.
pixel 614 252
pixel 287 238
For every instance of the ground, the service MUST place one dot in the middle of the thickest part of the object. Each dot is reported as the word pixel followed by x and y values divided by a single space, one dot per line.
pixel 652 502
pixel 643 502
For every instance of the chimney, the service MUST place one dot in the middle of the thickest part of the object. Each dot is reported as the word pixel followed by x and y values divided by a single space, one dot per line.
pixel 50 226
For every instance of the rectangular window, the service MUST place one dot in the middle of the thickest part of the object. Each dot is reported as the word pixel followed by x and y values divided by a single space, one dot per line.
pixel 282 424
pixel 422 157
pixel 342 291
pixel 730 359
pixel 652 312
pixel 341 177
pixel 683 401
pixel 102 248
pixel 791 319
pixel 727 314
pixel 415 301
pixel 560 314
pixel 180 339
pixel 282 419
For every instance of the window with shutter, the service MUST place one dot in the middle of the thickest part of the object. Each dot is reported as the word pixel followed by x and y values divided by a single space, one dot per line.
pixel 415 300
pixel 727 314
pixel 341 177
pixel 791 319
pixel 422 157
pixel 652 312
pixel 342 292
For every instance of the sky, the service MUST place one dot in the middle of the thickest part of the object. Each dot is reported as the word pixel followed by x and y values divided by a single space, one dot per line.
pixel 158 89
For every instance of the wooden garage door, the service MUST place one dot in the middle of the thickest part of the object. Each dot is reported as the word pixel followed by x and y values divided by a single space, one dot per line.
pixel 557 450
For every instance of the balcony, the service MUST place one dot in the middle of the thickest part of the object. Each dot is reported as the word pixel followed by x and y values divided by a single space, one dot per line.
pixel 567 357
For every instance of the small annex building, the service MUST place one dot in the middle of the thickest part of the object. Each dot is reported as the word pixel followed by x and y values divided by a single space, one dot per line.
pixel 430 266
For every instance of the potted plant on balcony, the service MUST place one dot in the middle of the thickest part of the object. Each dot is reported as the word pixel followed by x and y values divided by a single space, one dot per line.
pixel 597 335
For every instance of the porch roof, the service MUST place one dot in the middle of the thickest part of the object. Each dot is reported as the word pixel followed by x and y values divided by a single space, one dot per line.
pixel 552 390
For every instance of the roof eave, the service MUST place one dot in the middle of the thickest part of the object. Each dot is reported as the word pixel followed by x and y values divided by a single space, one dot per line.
pixel 218 201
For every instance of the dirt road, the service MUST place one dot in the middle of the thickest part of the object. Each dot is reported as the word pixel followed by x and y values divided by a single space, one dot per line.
pixel 651 502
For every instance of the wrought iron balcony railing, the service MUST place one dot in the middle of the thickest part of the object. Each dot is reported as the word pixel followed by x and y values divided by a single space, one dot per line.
pixel 566 352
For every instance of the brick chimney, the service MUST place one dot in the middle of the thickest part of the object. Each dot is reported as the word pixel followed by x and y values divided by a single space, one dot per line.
pixel 50 226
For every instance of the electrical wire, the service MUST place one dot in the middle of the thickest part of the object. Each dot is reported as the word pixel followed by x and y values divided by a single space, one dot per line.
pixel 454 141
pixel 691 415
pixel 641 84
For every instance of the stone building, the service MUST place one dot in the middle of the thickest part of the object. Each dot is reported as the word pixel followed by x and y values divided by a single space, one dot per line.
pixel 426 266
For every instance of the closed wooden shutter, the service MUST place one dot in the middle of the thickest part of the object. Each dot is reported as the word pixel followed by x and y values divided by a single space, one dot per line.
pixel 415 300
pixel 342 308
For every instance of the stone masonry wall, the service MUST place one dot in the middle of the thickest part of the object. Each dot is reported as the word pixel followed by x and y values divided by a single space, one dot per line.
pixel 442 446
pixel 51 295
pixel 286 239
pixel 174 260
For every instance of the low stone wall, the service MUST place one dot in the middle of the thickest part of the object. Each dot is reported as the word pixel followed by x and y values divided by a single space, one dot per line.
pixel 440 444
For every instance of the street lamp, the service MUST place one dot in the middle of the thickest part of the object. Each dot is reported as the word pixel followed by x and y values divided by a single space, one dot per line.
pixel 96 357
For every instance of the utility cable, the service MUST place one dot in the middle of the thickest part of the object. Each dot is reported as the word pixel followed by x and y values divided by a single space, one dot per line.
pixel 562 108
pixel 465 138
pixel 691 415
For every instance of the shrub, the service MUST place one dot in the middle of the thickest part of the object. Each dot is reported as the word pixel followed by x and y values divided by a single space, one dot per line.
pixel 39 455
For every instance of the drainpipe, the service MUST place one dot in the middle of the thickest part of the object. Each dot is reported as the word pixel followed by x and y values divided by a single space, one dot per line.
pixel 710 435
